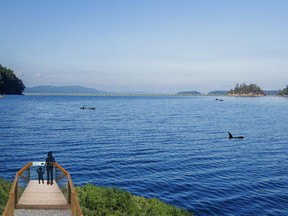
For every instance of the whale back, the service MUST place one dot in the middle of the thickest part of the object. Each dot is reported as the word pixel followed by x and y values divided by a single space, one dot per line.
pixel 237 137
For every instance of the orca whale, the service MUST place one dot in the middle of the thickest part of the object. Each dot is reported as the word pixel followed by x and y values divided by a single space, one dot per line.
pixel 89 108
pixel 237 137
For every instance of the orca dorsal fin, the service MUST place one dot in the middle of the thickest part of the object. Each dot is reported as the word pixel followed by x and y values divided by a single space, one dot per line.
pixel 230 135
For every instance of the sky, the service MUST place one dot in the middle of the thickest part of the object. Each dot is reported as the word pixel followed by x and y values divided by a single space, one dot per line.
pixel 163 46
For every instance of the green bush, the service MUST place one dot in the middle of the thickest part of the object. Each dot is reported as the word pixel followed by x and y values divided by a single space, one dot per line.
pixel 111 201
pixel 4 194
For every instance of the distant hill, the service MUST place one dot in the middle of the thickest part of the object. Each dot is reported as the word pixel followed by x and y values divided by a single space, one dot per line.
pixel 189 93
pixel 62 89
pixel 271 92
pixel 218 92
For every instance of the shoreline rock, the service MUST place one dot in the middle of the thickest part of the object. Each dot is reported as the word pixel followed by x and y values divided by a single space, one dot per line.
pixel 246 95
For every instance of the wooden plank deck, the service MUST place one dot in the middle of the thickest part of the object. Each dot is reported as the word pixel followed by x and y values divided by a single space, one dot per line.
pixel 42 196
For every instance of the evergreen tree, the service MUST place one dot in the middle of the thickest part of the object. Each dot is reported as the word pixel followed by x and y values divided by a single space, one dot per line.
pixel 9 83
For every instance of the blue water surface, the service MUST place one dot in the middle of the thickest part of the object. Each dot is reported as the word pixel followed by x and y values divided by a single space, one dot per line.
pixel 172 148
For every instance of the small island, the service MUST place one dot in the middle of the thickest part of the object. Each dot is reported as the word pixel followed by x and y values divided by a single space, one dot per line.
pixel 244 90
pixel 195 93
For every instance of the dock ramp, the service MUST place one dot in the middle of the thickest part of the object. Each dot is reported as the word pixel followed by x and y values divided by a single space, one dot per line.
pixel 29 197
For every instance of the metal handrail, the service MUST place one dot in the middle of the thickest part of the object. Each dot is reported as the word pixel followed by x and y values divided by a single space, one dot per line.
pixel 14 193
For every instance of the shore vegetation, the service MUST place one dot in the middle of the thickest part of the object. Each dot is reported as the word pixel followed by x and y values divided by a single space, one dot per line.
pixel 96 200
pixel 284 92
pixel 5 187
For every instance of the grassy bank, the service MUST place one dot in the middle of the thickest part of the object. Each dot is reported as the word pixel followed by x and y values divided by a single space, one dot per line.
pixel 96 200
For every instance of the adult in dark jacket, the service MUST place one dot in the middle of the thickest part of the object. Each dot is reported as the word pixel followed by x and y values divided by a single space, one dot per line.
pixel 49 168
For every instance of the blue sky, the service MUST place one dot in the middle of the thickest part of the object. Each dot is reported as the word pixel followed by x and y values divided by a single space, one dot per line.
pixel 146 45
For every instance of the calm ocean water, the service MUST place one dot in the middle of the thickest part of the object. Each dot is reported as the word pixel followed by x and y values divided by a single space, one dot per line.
pixel 172 148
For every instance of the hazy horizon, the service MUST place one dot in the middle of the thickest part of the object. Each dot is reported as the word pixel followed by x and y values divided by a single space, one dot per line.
pixel 146 46
pixel 64 89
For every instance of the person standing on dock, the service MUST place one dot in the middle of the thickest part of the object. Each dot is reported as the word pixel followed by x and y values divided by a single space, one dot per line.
pixel 40 172
pixel 49 168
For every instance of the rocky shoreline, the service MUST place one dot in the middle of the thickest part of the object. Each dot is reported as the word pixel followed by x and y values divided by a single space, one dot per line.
pixel 247 95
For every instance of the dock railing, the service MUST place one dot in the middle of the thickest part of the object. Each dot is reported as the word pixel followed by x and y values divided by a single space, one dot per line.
pixel 71 197
pixel 14 191
pixel 60 174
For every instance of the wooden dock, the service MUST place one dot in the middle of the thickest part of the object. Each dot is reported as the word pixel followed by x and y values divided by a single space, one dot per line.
pixel 42 196
pixel 42 199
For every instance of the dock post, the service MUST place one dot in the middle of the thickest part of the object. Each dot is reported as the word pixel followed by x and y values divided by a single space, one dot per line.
pixel 16 194
pixel 69 193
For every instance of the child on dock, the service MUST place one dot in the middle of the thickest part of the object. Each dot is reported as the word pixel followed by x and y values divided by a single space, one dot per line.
pixel 40 172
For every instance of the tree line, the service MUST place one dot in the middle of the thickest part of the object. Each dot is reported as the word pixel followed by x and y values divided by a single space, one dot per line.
pixel 9 82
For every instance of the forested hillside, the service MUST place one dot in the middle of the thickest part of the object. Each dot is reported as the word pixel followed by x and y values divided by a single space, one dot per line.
pixel 9 83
